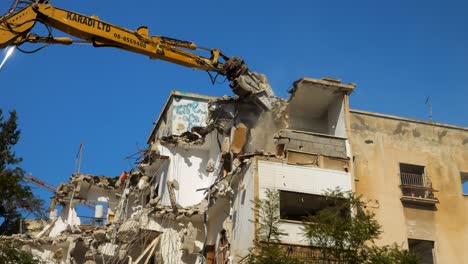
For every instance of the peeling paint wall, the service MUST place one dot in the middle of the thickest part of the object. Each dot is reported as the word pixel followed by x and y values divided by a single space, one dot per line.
pixel 379 144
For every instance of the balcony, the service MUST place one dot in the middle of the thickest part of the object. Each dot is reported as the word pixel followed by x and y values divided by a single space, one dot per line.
pixel 312 143
pixel 417 188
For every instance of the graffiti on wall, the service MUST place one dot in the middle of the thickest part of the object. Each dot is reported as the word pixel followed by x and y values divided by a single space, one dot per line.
pixel 188 114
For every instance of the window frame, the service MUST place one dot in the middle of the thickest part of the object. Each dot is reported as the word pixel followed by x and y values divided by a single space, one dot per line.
pixel 464 174
pixel 320 196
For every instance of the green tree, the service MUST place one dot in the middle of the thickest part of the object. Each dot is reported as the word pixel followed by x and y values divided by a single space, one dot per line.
pixel 268 216
pixel 342 233
pixel 15 197
pixel 390 255
pixel 345 231
pixel 267 248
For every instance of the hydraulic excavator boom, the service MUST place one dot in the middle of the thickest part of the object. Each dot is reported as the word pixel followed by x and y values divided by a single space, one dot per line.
pixel 17 24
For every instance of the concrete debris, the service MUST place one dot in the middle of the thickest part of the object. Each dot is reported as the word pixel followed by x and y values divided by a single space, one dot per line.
pixel 172 187
pixel 99 181
pixel 187 197
pixel 188 238
pixel 128 230
pixel 33 227
pixel 239 138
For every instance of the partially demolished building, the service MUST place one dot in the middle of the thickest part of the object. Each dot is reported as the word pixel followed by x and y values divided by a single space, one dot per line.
pixel 190 198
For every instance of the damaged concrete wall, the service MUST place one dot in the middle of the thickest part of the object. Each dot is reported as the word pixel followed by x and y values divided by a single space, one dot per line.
pixel 93 190
pixel 380 143
pixel 305 142
pixel 194 170
pixel 262 127
pixel 182 112
pixel 243 218
pixel 186 114
pixel 68 217
pixel 318 106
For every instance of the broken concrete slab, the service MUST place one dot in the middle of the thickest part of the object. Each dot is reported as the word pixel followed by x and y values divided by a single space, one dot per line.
pixel 239 138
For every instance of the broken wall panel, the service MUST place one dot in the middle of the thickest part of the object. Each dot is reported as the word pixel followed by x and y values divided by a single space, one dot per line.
pixel 186 114
pixel 333 163
pixel 302 141
pixel 239 138
pixel 301 158
pixel 182 112
pixel 191 169
pixel 243 218
pixel 314 160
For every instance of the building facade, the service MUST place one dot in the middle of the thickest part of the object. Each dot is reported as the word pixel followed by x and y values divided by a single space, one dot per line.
pixel 415 170
pixel 190 199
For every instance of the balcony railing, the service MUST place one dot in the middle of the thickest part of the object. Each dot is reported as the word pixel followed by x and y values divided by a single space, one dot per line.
pixel 307 254
pixel 417 188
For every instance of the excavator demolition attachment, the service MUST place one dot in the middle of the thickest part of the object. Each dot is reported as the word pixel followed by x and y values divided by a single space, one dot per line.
pixel 18 22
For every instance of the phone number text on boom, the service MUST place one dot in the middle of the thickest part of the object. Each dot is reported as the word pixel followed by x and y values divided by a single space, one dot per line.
pixel 129 40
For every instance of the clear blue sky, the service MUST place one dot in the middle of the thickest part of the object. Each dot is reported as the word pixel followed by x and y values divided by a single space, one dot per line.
pixel 398 53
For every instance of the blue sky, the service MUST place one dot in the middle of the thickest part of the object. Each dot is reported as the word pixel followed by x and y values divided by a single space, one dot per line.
pixel 398 53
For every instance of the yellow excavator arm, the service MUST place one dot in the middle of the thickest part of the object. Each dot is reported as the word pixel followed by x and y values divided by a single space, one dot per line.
pixel 15 30
pixel 16 26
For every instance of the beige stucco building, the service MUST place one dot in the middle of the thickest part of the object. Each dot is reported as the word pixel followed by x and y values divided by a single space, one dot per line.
pixel 414 170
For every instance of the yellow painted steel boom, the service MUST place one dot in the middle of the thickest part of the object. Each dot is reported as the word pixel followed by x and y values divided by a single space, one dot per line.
pixel 15 31
pixel 16 26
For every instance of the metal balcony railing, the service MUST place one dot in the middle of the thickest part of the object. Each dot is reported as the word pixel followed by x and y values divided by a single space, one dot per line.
pixel 414 179
pixel 417 187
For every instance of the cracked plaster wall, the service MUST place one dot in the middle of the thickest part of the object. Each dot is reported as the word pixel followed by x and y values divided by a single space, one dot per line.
pixel 379 144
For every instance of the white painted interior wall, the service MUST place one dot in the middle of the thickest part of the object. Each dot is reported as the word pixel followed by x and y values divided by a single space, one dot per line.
pixel 243 226
pixel 185 114
pixel 187 165
pixel 336 117
pixel 69 217
pixel 281 176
